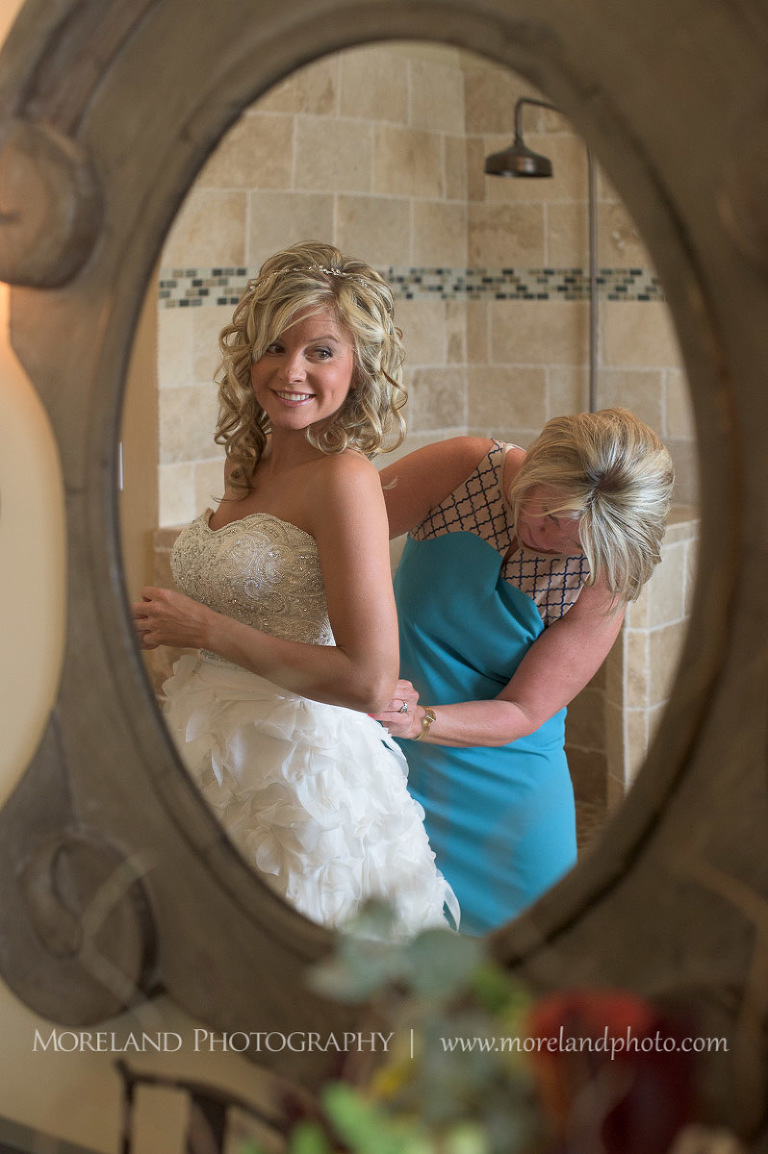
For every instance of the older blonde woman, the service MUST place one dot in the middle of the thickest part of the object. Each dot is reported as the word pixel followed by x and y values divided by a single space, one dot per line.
pixel 286 589
pixel 510 593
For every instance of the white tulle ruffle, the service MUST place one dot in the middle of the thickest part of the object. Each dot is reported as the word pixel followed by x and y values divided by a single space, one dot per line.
pixel 309 793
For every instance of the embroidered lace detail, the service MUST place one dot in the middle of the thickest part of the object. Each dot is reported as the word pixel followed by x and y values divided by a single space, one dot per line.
pixel 478 506
pixel 259 570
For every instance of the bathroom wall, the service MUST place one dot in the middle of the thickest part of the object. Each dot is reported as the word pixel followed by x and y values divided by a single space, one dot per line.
pixel 612 722
pixel 365 149
pixel 380 150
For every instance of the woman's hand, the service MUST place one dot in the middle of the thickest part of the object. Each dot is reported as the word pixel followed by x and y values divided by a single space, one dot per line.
pixel 401 716
pixel 165 617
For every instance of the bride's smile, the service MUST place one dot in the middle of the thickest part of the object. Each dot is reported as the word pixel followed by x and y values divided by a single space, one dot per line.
pixel 304 376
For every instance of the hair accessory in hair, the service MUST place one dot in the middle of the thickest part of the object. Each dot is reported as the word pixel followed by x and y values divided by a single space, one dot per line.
pixel 306 268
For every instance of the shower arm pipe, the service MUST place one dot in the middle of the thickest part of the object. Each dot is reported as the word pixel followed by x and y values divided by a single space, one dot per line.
pixel 591 199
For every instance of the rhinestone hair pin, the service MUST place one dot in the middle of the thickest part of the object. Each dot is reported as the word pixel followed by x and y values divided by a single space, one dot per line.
pixel 307 268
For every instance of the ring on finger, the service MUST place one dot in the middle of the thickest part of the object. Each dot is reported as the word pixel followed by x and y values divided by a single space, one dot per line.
pixel 403 708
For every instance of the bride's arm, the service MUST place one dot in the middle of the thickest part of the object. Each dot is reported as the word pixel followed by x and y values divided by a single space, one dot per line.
pixel 347 518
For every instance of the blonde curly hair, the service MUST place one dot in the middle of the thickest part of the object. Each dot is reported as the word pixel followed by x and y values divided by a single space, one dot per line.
pixel 616 479
pixel 315 276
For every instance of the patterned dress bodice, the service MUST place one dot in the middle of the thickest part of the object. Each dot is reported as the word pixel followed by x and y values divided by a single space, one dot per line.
pixel 259 570
pixel 479 506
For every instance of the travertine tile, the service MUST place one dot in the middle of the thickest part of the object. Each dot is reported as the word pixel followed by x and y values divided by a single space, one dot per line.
pixel 209 230
pixel 619 243
pixel 478 184
pixel 679 424
pixel 407 162
pixel 174 347
pixel 655 716
pixel 640 390
pixel 414 440
pixel 508 434
pixel 439 234
pixel 176 494
pixel 278 219
pixel 637 672
pixel 636 616
pixel 567 391
pixel 682 523
pixel 437 97
pixel 333 155
pixel 567 236
pixel 257 152
pixel 636 732
pixel 374 85
pixel 209 482
pixel 490 95
pixel 438 399
pixel 638 334
pixel 478 332
pixel 685 460
pixel 455 148
pixel 505 235
pixel 539 332
pixel 506 398
pixel 424 331
pixel 665 649
pixel 313 89
pixel 208 323
pixel 187 422
pixel 666 588
pixel 691 573
pixel 375 228
pixel 456 331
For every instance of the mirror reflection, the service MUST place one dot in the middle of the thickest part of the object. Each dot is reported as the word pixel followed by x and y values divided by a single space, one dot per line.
pixel 382 151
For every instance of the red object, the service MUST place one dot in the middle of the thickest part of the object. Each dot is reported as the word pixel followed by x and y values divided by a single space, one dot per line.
pixel 613 1072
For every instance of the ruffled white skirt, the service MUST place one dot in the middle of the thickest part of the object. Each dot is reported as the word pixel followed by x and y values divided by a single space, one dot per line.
pixel 314 796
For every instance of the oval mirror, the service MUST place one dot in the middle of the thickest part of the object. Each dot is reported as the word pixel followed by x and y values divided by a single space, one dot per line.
pixel 105 156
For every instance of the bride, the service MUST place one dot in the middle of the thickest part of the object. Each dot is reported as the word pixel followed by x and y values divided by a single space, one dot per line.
pixel 285 589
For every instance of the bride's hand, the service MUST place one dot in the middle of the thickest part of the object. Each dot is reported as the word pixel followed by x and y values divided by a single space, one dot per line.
pixel 400 714
pixel 165 617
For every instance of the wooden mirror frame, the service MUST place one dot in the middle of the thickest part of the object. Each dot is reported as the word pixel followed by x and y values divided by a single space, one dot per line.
pixel 108 109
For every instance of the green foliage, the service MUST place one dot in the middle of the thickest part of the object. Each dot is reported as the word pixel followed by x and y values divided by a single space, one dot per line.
pixel 369 959
pixel 434 1093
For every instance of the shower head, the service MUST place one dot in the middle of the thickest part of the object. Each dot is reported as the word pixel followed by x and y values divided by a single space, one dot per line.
pixel 518 160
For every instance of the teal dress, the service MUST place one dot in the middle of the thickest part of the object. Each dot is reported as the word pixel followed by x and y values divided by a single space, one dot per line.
pixel 501 820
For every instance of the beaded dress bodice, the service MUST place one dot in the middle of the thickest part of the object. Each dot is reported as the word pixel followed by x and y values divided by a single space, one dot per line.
pixel 259 570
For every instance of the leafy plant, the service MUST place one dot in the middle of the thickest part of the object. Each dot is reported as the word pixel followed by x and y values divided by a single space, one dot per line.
pixel 446 1085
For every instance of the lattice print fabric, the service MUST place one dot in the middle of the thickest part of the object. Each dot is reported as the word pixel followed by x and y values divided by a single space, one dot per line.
pixel 478 506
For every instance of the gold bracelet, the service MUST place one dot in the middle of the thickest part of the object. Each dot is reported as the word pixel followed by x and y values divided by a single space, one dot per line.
pixel 426 721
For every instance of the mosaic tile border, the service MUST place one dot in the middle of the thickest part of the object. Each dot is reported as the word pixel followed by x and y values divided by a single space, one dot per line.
pixel 195 287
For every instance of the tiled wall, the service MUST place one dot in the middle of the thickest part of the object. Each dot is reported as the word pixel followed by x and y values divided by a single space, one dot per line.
pixel 640 668
pixel 611 723
pixel 381 150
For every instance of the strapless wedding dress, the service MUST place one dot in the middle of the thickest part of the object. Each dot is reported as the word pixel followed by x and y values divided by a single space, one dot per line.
pixel 314 796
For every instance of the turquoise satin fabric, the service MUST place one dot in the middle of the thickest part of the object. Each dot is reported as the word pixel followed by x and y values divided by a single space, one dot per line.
pixel 500 820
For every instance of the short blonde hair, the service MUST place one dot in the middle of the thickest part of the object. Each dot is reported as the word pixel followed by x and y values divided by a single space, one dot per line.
pixel 616 477
pixel 313 276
